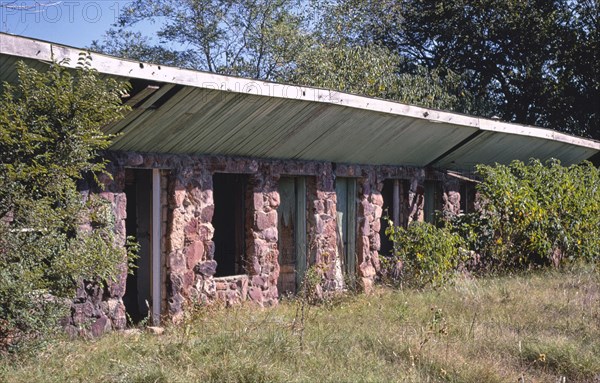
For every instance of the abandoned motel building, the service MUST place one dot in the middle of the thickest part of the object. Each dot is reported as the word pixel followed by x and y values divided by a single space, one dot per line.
pixel 233 187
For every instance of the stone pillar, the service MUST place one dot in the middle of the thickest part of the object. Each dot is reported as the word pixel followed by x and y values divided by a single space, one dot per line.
pixel 113 305
pixel 322 226
pixel 416 197
pixel 451 197
pixel 368 242
pixel 190 249
pixel 261 247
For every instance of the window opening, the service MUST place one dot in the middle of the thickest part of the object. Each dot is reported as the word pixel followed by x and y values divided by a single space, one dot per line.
pixel 395 197
pixel 467 197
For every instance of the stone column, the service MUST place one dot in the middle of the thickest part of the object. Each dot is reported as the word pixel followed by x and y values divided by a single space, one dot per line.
pixel 190 249
pixel 451 197
pixel 95 310
pixel 113 305
pixel 322 226
pixel 368 241
pixel 261 247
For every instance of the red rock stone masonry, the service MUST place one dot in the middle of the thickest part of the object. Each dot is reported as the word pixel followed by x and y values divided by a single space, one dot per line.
pixel 188 249
pixel 261 239
pixel 451 197
pixel 231 290
pixel 322 225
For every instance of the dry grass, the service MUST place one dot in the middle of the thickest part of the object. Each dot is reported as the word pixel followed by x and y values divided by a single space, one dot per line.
pixel 539 327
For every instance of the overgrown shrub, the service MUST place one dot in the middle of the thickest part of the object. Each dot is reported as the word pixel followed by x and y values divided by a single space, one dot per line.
pixel 534 214
pixel 49 137
pixel 423 254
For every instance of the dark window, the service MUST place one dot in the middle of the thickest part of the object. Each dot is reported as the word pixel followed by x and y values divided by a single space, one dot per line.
pixel 467 197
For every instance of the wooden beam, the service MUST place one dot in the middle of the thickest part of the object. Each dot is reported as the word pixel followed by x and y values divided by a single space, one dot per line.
pixel 396 203
pixel 301 245
pixel 351 228
pixel 156 237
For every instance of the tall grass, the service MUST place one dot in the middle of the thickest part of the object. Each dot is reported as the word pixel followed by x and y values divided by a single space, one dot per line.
pixel 538 327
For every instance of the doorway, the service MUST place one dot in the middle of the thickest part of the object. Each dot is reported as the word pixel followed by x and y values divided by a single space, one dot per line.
pixel 395 202
pixel 291 228
pixel 229 221
pixel 433 200
pixel 345 189
pixel 143 222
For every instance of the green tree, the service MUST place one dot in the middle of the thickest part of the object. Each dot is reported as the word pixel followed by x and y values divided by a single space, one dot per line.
pixel 423 254
pixel 533 62
pixel 374 71
pixel 49 138
pixel 574 97
pixel 252 38
pixel 133 45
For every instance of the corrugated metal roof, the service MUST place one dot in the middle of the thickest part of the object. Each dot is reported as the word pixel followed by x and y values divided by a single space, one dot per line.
pixel 203 113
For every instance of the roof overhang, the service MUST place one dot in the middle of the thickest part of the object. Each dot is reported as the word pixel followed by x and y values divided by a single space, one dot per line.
pixel 184 111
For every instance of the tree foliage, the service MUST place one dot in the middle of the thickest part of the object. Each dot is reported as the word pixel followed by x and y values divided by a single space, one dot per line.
pixel 533 62
pixel 530 215
pixel 372 70
pixel 252 38
pixel 49 137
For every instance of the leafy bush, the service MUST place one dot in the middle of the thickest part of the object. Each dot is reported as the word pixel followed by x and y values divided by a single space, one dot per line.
pixel 49 138
pixel 535 214
pixel 423 253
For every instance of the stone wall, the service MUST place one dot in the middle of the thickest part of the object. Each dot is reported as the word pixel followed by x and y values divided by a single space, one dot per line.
pixel 416 197
pixel 187 233
pixel 190 249
pixel 231 290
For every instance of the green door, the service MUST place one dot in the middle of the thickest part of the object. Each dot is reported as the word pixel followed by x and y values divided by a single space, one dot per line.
pixel 345 189
pixel 433 200
pixel 291 228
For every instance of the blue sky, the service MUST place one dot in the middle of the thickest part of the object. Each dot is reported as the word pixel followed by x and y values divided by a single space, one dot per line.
pixel 75 23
